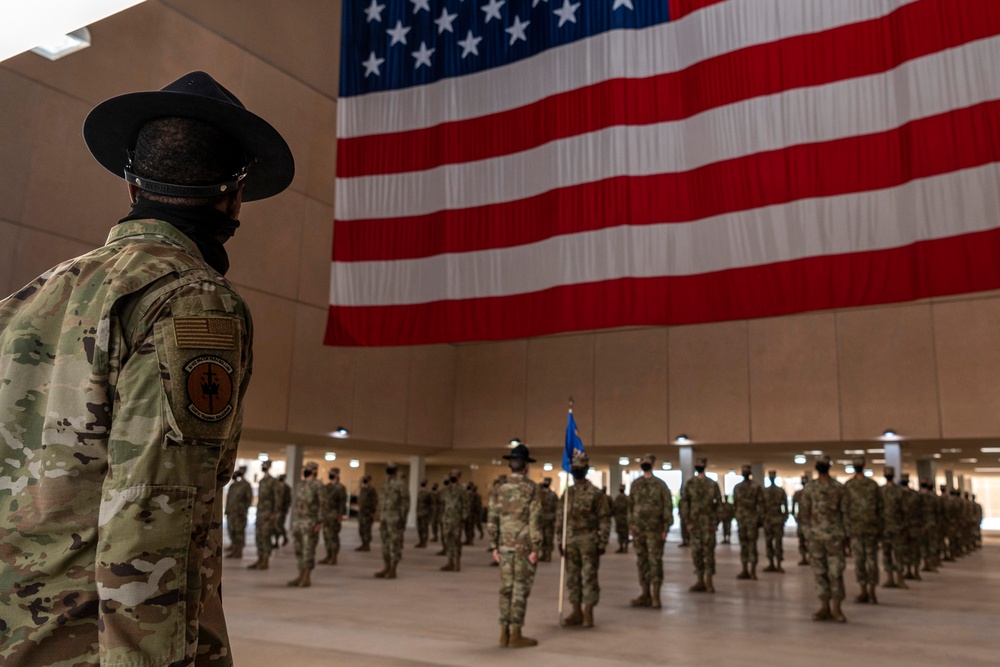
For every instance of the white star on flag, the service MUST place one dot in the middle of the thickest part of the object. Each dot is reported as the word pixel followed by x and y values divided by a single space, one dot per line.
pixel 420 4
pixel 567 12
pixel 445 20
pixel 398 34
pixel 492 10
pixel 622 3
pixel 516 30
pixel 470 44
pixel 423 56
pixel 372 65
pixel 374 12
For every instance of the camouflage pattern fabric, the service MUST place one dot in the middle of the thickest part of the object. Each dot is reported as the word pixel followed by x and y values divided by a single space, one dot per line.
pixel 285 508
pixel 619 508
pixel 308 512
pixel 367 504
pixel 726 515
pixel 425 509
pixel 454 508
pixel 913 535
pixel 775 515
pixel 701 505
pixel 748 503
pixel 436 508
pixel 119 421
pixel 588 527
pixel 931 546
pixel 863 522
pixel 822 515
pixel 268 503
pixel 238 501
pixel 893 525
pixel 393 508
pixel 336 508
pixel 550 504
pixel 515 530
pixel 650 515
pixel 799 533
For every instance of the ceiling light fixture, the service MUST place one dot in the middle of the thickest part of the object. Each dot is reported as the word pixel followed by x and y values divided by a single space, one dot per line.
pixel 330 456
pixel 355 463
pixel 340 432
pixel 623 461
pixel 514 442
pixel 800 459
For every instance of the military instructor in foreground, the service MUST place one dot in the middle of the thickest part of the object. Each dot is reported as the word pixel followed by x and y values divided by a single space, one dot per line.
pixel 125 371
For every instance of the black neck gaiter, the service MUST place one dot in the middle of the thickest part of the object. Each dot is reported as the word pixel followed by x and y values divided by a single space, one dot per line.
pixel 201 224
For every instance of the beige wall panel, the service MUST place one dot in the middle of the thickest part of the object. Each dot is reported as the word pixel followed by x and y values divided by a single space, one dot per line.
pixel 18 108
pixel 8 249
pixel 274 324
pixel 382 383
pixel 184 46
pixel 489 394
pixel 39 251
pixel 265 253
pixel 314 260
pixel 559 367
pixel 968 364
pixel 793 379
pixel 887 375
pixel 709 385
pixel 322 160
pixel 630 387
pixel 429 409
pixel 321 394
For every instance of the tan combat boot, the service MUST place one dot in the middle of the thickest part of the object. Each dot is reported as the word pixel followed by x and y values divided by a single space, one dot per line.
pixel 698 586
pixel 235 552
pixel 392 571
pixel 744 574
pixel 296 580
pixel 575 617
pixel 863 597
pixel 588 615
pixel 458 565
pixel 753 571
pixel 890 580
pixel 255 565
pixel 708 584
pixel 306 579
pixel 778 568
pixel 823 614
pixel 644 600
pixel 333 559
pixel 384 572
pixel 770 565
pixel 265 563
pixel 655 602
pixel 449 567
pixel 835 610
pixel 518 641
pixel 871 594
pixel 504 635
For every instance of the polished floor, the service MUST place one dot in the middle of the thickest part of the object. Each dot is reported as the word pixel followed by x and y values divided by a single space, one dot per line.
pixel 428 617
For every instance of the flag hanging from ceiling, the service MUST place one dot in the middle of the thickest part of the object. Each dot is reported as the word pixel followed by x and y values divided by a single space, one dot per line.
pixel 515 168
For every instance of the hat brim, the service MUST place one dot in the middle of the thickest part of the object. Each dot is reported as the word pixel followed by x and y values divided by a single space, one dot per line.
pixel 112 127
pixel 527 460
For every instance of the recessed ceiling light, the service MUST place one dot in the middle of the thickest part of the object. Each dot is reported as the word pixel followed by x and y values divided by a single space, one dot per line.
pixel 355 463
pixel 990 450
pixel 623 461
pixel 799 459
pixel 547 467
pixel 330 456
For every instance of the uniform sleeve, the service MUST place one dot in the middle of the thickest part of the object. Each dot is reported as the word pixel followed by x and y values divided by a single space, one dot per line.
pixel 176 423
pixel 668 508
pixel 559 518
pixel 717 504
pixel 493 519
pixel 631 506
pixel 684 505
pixel 535 520
pixel 604 521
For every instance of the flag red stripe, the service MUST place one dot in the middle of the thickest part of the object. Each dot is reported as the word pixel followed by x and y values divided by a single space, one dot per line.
pixel 681 8
pixel 953 265
pixel 926 147
pixel 801 61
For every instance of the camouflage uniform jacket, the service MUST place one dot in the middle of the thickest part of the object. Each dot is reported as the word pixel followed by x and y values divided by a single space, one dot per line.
pixel 589 516
pixel 121 404
pixel 286 497
pixel 239 498
pixel 475 505
pixel 931 505
pixel 394 501
pixel 425 503
pixel 863 508
pixel 650 506
pixel 913 511
pixel 310 504
pixel 748 503
pixel 515 515
pixel 893 518
pixel 727 512
pixel 550 504
pixel 701 504
pixel 775 505
pixel 619 507
pixel 367 501
pixel 454 504
pixel 336 500
pixel 268 497
pixel 822 511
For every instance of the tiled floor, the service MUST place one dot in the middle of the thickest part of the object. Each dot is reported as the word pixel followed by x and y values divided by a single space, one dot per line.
pixel 443 618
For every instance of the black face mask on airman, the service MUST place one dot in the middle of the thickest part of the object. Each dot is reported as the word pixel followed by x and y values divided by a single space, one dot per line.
pixel 646 467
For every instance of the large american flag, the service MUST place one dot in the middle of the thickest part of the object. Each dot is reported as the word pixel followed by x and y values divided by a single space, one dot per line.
pixel 514 168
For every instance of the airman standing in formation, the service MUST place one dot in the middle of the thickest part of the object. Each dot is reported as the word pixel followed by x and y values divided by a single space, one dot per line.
pixel 515 513
pixel 473 519
pixel 435 512
pixel 650 515
pixel 549 503
pixel 726 515
pixel 619 507
pixel 748 501
pixel 336 508
pixel 238 501
pixel 863 521
pixel 453 513
pixel 588 527
pixel 775 516
pixel 913 513
pixel 393 509
pixel 822 515
pixel 268 503
pixel 893 525
pixel 799 533
pixel 284 508
pixel 701 505
pixel 307 522
pixel 425 510
pixel 947 527
pixel 931 546
pixel 367 505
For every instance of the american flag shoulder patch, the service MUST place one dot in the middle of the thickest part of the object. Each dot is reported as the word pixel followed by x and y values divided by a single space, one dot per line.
pixel 206 333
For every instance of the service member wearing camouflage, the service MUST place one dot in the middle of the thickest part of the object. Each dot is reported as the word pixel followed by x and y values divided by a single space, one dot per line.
pixel 239 498
pixel 931 507
pixel 893 525
pixel 726 515
pixel 336 508
pixel 863 521
pixel 588 527
pixel 701 504
pixel 425 509
pixel 515 527
pixel 775 516
pixel 748 501
pixel 454 509
pixel 913 535
pixel 121 404
pixel 822 515
pixel 367 505
pixel 619 507
pixel 285 507
pixel 650 515
pixel 393 508
pixel 436 507
pixel 550 502
pixel 799 533
pixel 307 522
pixel 268 500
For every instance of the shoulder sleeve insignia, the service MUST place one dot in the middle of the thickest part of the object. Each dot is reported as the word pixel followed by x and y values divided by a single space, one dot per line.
pixel 206 333
pixel 209 388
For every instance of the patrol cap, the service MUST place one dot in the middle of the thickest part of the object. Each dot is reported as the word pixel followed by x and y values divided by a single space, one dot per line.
pixel 648 458
pixel 858 462
pixel 701 463
pixel 265 464
pixel 520 452
pixel 746 468
pixel 889 471
pixel 904 477
pixel 312 465
pixel 547 481
pixel 391 465
pixel 455 472
pixel 824 459
pixel 580 460
pixel 335 471
pixel 772 473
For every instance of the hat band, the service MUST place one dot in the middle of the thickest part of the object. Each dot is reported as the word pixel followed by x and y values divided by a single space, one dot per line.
pixel 174 190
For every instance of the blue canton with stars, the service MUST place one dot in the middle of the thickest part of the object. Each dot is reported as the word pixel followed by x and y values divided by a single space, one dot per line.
pixel 393 44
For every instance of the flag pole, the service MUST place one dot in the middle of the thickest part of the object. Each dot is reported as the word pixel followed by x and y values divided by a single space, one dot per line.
pixel 562 555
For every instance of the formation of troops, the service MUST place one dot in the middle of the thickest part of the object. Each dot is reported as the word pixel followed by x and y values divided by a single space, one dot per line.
pixel 914 531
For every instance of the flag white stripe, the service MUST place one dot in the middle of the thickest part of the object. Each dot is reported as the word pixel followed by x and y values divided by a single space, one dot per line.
pixel 943 81
pixel 668 47
pixel 947 205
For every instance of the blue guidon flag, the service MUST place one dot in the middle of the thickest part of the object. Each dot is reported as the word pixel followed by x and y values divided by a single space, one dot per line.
pixel 574 445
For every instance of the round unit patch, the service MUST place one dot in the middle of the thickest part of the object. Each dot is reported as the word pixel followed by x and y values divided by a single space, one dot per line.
pixel 209 388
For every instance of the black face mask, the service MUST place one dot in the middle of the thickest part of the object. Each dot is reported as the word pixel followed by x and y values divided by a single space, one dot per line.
pixel 822 469
pixel 454 480
pixel 306 474
pixel 699 469
pixel 579 473
pixel 201 224
pixel 333 478
pixel 390 471
pixel 646 467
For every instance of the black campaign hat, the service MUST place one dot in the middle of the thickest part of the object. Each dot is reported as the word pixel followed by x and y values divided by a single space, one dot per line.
pixel 112 127
pixel 520 452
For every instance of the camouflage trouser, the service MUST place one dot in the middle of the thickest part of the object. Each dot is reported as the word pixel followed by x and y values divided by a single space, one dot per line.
pixel 451 536
pixel 803 548
pixel 331 534
pixel 582 562
pixel 909 554
pixel 262 533
pixel 470 529
pixel 864 549
pixel 279 525
pixel 365 529
pixel 703 551
pixel 827 560
pixel 622 529
pixel 517 575
pixel 749 530
pixel 436 527
pixel 237 529
pixel 931 545
pixel 891 547
pixel 423 526
pixel 305 540
pixel 548 534
pixel 392 540
pixel 773 534
pixel 685 532
pixel 727 529
pixel 649 556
